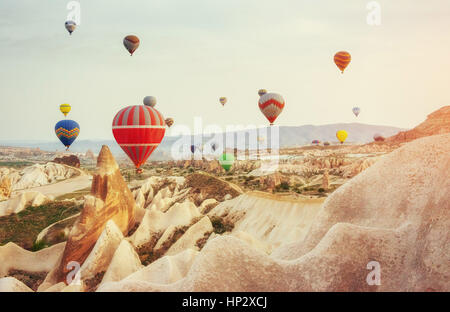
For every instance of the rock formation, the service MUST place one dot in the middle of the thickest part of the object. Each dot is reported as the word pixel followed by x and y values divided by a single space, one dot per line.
pixel 325 180
pixel 437 122
pixel 5 188
pixel 70 160
pixel 401 225
pixel 110 199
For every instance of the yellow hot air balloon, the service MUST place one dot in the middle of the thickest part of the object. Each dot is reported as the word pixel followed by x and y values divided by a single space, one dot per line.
pixel 341 135
pixel 65 108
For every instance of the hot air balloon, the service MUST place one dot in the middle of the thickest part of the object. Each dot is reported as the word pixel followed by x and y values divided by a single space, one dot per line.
pixel 315 142
pixel 213 147
pixel 341 136
pixel 326 143
pixel 138 129
pixel 223 100
pixel 378 137
pixel 70 26
pixel 65 108
pixel 271 105
pixel 131 43
pixel 342 59
pixel 67 131
pixel 226 161
pixel 150 101
pixel 356 111
pixel 193 148
pixel 261 92
pixel 169 122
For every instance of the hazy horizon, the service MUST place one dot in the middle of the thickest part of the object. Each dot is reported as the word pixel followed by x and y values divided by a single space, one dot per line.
pixel 194 52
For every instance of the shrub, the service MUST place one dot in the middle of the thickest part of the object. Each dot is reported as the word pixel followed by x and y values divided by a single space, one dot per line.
pixel 321 190
pixel 284 185
pixel 38 245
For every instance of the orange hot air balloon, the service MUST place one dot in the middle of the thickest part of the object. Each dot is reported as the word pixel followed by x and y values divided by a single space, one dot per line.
pixel 131 43
pixel 342 59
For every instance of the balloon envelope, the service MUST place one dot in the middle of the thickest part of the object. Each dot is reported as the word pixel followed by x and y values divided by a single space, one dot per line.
pixel 65 108
pixel 149 101
pixel 223 100
pixel 342 59
pixel 261 92
pixel 356 111
pixel 138 130
pixel 226 161
pixel 70 26
pixel 315 142
pixel 271 105
pixel 341 135
pixel 131 43
pixel 67 131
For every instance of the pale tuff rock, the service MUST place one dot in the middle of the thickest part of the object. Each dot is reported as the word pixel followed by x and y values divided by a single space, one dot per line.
pixel 190 238
pixel 253 242
pixel 165 270
pixel 405 230
pixel 38 175
pixel 19 203
pixel 124 262
pixel 13 257
pixel 110 199
pixel 156 222
pixel 10 284
pixel 269 218
pixel 103 251
pixel 208 204
pixel 325 180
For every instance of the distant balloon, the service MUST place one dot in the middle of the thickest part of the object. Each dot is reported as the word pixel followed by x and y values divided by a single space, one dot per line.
pixel 356 111
pixel 138 130
pixel 67 131
pixel 341 136
pixel 223 100
pixel 131 43
pixel 226 161
pixel 169 122
pixel 193 149
pixel 342 59
pixel 315 142
pixel 70 26
pixel 261 92
pixel 326 143
pixel 378 137
pixel 271 105
pixel 65 108
pixel 150 101
pixel 213 147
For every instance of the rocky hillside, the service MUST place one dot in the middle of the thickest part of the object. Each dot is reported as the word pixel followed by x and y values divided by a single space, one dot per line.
pixel 437 122
pixel 182 238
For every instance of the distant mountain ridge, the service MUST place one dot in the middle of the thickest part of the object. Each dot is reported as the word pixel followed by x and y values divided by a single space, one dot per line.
pixel 289 136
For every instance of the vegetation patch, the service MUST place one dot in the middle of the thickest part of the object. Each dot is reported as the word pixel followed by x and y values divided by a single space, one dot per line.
pixel 22 228
pixel 31 279
pixel 221 225
pixel 91 284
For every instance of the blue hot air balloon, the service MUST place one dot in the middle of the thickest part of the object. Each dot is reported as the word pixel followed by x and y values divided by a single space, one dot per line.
pixel 67 131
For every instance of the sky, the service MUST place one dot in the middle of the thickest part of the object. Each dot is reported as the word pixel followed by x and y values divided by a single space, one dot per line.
pixel 193 52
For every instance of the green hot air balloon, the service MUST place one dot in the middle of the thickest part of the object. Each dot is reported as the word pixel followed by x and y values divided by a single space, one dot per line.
pixel 226 161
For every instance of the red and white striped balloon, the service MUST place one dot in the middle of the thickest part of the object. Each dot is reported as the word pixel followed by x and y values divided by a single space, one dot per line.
pixel 138 130
pixel 271 105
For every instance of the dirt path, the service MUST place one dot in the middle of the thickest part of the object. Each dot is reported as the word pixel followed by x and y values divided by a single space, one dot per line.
pixel 60 188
